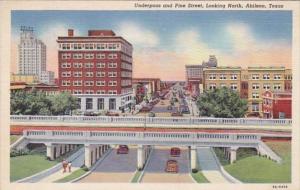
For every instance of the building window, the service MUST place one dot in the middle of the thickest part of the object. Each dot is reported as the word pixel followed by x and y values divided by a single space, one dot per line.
pixel 89 83
pixel 66 56
pixel 77 92
pixel 89 46
pixel 212 77
pixel 100 103
pixel 100 83
pixel 89 74
pixel 66 65
pixel 266 86
pixel 212 86
pixel 233 86
pixel 112 74
pixel 100 65
pixel 255 77
pixel 222 77
pixel 77 65
pixel 112 83
pixel 100 91
pixel 112 104
pixel 255 95
pixel 77 83
pixel 112 65
pixel 255 86
pixel 77 56
pixel 89 65
pixel 112 56
pixel 277 87
pixel 89 91
pixel 101 46
pixel 65 46
pixel 233 77
pixel 89 56
pixel 100 56
pixel 112 92
pixel 89 103
pixel 66 74
pixel 255 107
pixel 266 76
pixel 66 83
pixel 100 74
pixel 77 74
pixel 277 77
pixel 77 46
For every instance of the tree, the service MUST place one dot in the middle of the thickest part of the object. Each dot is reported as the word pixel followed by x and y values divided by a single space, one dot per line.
pixel 63 103
pixel 38 103
pixel 223 103
pixel 30 103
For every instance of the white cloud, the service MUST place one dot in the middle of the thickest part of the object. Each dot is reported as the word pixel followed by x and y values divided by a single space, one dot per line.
pixel 50 32
pixel 189 43
pixel 137 34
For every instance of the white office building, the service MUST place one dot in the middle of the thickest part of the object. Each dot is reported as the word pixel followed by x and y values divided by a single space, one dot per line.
pixel 47 77
pixel 32 54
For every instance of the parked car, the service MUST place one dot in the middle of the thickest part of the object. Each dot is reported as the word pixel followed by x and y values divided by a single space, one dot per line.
pixel 176 114
pixel 171 166
pixel 112 114
pixel 122 149
pixel 175 152
pixel 90 113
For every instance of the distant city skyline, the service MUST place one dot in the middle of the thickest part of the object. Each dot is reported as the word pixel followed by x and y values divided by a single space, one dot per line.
pixel 165 41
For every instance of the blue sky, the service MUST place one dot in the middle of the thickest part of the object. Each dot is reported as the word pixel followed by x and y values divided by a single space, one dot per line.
pixel 195 34
pixel 265 24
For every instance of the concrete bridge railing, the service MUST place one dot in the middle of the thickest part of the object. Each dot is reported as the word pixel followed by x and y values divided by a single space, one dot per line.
pixel 179 121
pixel 131 136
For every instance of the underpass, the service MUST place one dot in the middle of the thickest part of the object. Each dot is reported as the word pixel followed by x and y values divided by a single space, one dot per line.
pixel 155 170
pixel 115 168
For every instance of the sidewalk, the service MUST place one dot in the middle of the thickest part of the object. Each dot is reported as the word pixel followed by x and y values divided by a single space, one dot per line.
pixel 209 166
pixel 76 164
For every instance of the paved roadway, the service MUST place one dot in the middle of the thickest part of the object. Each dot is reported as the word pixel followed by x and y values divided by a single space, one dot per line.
pixel 209 166
pixel 155 170
pixel 114 168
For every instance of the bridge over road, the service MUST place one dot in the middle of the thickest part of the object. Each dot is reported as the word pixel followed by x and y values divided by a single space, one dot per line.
pixel 152 122
pixel 149 138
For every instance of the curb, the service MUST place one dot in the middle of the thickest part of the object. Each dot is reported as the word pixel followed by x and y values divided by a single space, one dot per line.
pixel 92 168
pixel 146 164
pixel 227 176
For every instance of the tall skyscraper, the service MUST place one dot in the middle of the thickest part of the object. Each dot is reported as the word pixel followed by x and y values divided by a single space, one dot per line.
pixel 32 53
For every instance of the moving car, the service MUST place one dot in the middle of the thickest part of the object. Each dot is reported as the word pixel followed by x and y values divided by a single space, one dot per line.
pixel 171 166
pixel 175 152
pixel 123 149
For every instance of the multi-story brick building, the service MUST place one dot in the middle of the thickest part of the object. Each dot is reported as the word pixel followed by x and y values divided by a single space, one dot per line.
pixel 288 77
pixel 217 77
pixel 277 104
pixel 194 77
pixel 97 68
pixel 261 79
pixel 251 83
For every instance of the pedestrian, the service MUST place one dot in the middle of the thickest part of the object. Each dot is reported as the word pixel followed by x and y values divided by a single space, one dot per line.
pixel 64 165
pixel 69 166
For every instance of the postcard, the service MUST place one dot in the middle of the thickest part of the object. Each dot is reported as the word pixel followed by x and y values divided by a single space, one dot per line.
pixel 150 94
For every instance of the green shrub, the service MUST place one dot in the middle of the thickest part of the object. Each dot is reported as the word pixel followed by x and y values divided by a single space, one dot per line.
pixel 151 114
pixel 194 170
